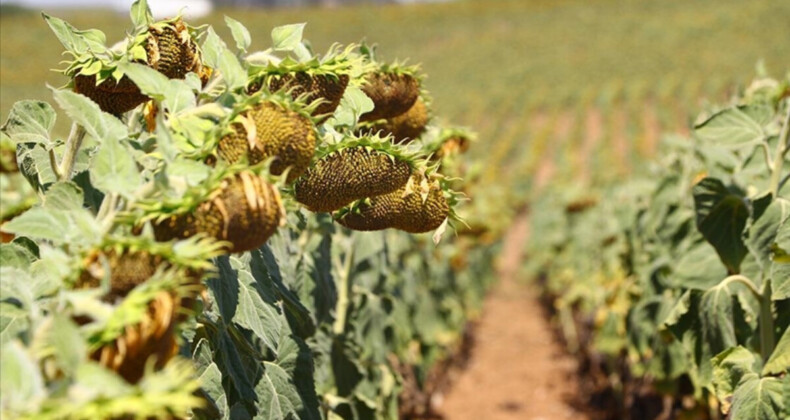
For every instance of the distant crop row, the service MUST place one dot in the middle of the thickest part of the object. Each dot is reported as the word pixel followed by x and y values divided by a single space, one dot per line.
pixel 676 280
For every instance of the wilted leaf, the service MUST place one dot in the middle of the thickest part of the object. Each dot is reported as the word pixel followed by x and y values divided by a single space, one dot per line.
pixel 279 398
pixel 232 366
pixel 210 378
pixel 239 301
pixel 264 267
pixel 717 315
pixel 706 325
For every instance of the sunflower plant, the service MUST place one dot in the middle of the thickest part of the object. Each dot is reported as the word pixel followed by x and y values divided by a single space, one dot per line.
pixel 164 259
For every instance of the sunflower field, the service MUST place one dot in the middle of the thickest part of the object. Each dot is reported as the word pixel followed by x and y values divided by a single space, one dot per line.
pixel 193 247
pixel 270 220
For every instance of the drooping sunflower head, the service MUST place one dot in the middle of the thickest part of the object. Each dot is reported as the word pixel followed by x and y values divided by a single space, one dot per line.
pixel 322 80
pixel 168 46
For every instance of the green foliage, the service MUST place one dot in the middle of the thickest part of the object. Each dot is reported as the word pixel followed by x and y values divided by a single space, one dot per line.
pixel 311 325
pixel 683 268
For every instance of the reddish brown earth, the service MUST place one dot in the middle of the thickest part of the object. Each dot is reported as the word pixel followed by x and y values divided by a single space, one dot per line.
pixel 682 122
pixel 620 140
pixel 651 129
pixel 517 369
pixel 548 166
pixel 593 132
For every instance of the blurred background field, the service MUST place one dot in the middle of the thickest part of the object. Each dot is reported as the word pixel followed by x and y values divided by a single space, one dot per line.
pixel 520 72
pixel 565 94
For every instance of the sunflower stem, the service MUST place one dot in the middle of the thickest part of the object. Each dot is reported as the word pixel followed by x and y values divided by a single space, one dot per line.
pixel 107 212
pixel 344 290
pixel 53 163
pixel 738 278
pixel 766 322
pixel 73 144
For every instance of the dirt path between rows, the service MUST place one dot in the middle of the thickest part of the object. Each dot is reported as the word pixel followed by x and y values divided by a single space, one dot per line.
pixel 593 133
pixel 517 369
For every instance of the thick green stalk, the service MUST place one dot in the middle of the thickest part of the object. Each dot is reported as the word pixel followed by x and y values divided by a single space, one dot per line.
pixel 107 211
pixel 767 337
pixel 766 319
pixel 73 144
pixel 344 292
pixel 53 164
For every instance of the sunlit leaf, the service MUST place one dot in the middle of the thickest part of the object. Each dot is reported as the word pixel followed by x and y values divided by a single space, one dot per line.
pixel 779 361
pixel 114 170
pixel 780 263
pixel 218 56
pixel 353 104
pixel 736 126
pixel 98 124
pixel 76 41
pixel 21 381
pixel 729 368
pixel 67 343
pixel 64 196
pixel 287 37
pixel 141 14
pixel 758 398
pixel 240 34
pixel 30 122
pixel 57 226
pixel 175 95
